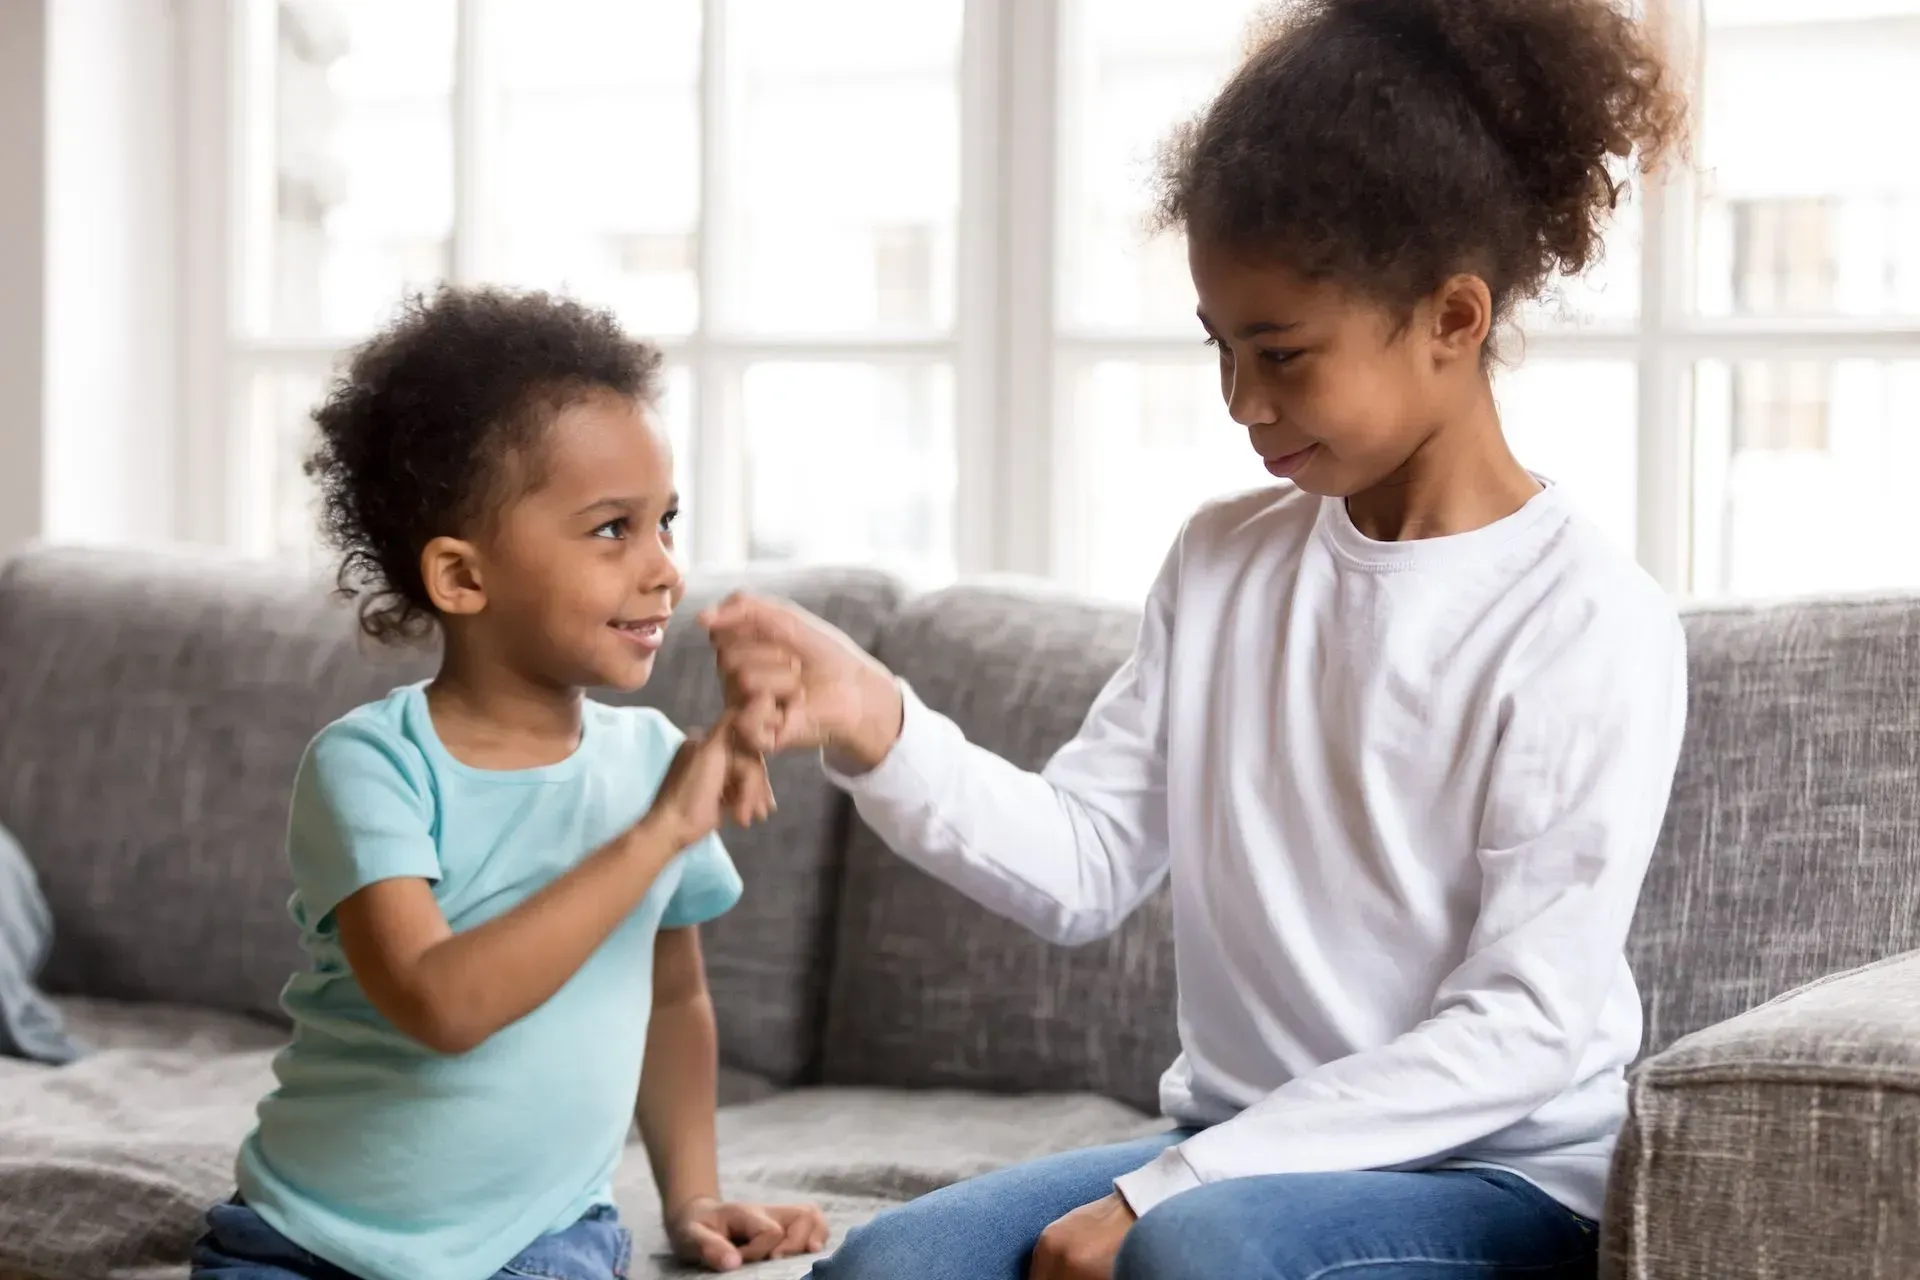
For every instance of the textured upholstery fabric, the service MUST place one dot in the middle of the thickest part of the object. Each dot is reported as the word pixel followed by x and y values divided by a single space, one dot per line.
pixel 1792 843
pixel 152 713
pixel 1783 1143
pixel 153 710
pixel 929 989
pixel 107 1166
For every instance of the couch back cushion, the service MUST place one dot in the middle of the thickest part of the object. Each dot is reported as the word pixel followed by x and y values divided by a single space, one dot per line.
pixel 930 990
pixel 1792 842
pixel 153 710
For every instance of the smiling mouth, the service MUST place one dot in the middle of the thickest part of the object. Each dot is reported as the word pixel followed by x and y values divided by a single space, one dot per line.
pixel 646 633
pixel 1287 464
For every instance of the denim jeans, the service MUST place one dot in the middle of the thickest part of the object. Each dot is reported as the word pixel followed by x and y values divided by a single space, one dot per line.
pixel 1465 1224
pixel 239 1245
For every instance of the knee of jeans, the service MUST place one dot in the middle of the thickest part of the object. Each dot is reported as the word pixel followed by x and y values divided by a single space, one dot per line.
pixel 1180 1239
pixel 884 1249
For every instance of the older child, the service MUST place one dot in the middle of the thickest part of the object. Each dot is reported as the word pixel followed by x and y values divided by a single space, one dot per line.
pixel 1402 729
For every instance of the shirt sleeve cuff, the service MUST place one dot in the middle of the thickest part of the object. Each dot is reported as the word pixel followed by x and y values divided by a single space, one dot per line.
pixel 1165 1178
pixel 899 776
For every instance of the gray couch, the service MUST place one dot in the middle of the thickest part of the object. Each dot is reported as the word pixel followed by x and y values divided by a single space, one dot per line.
pixel 881 1035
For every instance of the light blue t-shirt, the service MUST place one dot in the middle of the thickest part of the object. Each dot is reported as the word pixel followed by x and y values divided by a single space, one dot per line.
pixel 399 1163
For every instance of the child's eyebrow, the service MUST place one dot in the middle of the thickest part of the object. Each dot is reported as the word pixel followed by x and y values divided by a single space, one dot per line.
pixel 1254 330
pixel 624 505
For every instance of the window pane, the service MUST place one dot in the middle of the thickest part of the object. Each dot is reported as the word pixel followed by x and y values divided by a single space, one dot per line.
pixel 676 412
pixel 1810 206
pixel 1801 474
pixel 284 519
pixel 1151 442
pixel 1131 71
pixel 1575 422
pixel 593 169
pixel 348 172
pixel 851 463
pixel 844 165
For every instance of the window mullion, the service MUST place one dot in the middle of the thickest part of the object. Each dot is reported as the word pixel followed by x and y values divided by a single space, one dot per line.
pixel 466 254
pixel 1031 438
pixel 1664 437
pixel 719 514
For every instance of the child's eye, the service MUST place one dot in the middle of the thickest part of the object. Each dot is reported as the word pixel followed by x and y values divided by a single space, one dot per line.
pixel 1278 358
pixel 614 529
pixel 667 520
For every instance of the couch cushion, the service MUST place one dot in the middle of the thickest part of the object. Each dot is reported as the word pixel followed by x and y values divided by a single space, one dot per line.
pixel 1792 844
pixel 153 710
pixel 930 989
pixel 106 1167
pixel 1783 1143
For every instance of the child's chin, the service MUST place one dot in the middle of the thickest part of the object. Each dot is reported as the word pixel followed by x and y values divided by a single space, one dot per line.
pixel 628 676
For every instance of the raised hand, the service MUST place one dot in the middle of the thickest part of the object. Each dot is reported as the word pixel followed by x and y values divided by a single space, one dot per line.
pixel 825 690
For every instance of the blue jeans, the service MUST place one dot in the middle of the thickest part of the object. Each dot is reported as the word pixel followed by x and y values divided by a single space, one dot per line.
pixel 1467 1224
pixel 239 1245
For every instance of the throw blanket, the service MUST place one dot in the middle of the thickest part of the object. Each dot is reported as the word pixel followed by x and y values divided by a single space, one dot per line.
pixel 29 1026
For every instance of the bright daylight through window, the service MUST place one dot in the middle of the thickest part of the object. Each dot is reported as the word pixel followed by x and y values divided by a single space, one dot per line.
pixel 827 214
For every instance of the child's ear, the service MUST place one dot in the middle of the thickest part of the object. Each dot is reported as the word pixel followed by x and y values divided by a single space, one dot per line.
pixel 450 569
pixel 1462 311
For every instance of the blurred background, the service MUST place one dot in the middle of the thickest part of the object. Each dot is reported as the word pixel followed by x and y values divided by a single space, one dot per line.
pixel 895 251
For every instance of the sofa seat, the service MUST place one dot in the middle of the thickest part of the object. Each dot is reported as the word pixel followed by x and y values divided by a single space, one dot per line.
pixel 107 1165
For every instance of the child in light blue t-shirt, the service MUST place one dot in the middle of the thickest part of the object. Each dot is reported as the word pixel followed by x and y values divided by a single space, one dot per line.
pixel 497 880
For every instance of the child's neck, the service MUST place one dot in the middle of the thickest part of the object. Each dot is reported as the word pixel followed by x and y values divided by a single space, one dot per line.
pixel 489 716
pixel 1462 477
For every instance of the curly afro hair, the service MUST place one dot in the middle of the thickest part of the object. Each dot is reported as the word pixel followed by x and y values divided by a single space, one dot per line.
pixel 437 415
pixel 1388 144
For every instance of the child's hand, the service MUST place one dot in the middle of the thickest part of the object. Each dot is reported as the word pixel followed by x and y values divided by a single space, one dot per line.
pixel 688 806
pixel 749 794
pixel 825 690
pixel 722 1236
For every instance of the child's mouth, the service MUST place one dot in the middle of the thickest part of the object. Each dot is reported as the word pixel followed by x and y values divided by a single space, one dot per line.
pixel 646 634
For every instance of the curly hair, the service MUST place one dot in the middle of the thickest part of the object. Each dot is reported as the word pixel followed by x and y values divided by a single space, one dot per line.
pixel 1388 144
pixel 435 416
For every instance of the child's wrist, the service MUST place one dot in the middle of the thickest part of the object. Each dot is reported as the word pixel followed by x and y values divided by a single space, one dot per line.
pixel 661 834
pixel 870 740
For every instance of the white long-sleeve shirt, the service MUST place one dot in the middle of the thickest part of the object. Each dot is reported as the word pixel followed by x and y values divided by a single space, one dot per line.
pixel 1407 793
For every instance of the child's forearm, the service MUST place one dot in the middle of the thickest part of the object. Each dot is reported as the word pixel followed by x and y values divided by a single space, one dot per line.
pixel 451 991
pixel 678 1095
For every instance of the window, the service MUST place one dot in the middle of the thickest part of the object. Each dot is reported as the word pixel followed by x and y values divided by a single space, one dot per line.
pixel 896 254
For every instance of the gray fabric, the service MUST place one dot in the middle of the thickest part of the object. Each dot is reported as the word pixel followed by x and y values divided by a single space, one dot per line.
pixel 929 989
pixel 30 1026
pixel 767 958
pixel 107 1166
pixel 1783 1143
pixel 153 710
pixel 1792 844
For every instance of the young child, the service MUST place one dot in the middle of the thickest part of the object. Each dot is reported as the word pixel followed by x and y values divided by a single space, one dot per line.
pixel 1402 731
pixel 499 881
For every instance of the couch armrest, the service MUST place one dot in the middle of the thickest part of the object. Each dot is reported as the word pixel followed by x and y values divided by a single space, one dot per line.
pixel 1783 1142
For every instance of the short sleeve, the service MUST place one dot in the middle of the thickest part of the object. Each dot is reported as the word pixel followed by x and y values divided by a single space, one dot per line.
pixel 362 813
pixel 709 886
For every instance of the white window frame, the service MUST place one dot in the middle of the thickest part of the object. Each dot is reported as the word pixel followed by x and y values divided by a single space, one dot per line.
pixel 1016 497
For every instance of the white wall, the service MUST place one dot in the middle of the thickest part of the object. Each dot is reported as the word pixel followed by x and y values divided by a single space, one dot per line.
pixel 112 322
pixel 23 42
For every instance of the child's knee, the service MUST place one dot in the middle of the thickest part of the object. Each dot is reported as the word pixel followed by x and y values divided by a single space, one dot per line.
pixel 884 1249
pixel 1182 1239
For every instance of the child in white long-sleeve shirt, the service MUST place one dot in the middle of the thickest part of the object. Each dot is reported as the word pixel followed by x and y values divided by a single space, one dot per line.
pixel 1401 730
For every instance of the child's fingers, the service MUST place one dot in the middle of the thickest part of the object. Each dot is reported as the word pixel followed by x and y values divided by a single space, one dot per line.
pixel 759 1232
pixel 716 1251
pixel 798 1239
